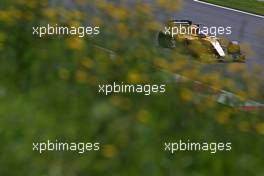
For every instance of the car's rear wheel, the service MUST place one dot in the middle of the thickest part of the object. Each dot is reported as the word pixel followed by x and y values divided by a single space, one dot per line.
pixel 166 41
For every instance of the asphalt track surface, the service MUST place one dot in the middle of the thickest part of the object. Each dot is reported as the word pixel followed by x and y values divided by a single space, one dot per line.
pixel 245 28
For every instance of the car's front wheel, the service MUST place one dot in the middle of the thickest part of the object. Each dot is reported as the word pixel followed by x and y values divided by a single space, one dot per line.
pixel 165 41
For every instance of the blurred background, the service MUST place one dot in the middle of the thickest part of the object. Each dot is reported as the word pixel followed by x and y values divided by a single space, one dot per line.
pixel 49 90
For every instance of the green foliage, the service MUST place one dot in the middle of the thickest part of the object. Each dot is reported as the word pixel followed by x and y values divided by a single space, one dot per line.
pixel 252 6
pixel 49 90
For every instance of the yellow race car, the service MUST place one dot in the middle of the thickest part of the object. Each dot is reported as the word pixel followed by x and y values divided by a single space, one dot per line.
pixel 187 34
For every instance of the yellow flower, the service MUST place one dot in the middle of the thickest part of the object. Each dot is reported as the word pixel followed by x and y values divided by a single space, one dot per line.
pixel 177 64
pixel 97 21
pixel 81 76
pixel 27 16
pixel 236 67
pixel 134 77
pixel 153 25
pixel 4 16
pixel 253 88
pixel 171 5
pixel 81 2
pixel 10 15
pixel 260 128
pixel 75 43
pixel 244 126
pixel 50 13
pixel 75 23
pixel 87 62
pixel 161 63
pixel 120 102
pixel 210 103
pixel 143 116
pixel 2 37
pixel 30 3
pixel 119 13
pixel 109 151
pixel 77 15
pixel 116 100
pixel 146 8
pixel 123 30
pixel 186 94
pixel 223 116
pixel 242 94
pixel 211 77
pixel 229 84
pixel 102 4
pixel 64 73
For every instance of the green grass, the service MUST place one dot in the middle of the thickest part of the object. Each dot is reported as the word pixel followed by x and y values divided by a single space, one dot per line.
pixel 252 6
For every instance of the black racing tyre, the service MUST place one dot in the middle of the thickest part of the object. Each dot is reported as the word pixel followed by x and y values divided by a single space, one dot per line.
pixel 238 57
pixel 165 41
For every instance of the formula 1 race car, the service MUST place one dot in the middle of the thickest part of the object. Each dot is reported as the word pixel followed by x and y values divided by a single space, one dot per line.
pixel 187 34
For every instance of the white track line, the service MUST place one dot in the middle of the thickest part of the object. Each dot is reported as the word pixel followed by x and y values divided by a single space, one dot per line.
pixel 227 8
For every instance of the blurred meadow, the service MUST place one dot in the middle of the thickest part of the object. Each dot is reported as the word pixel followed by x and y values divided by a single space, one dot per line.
pixel 49 90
